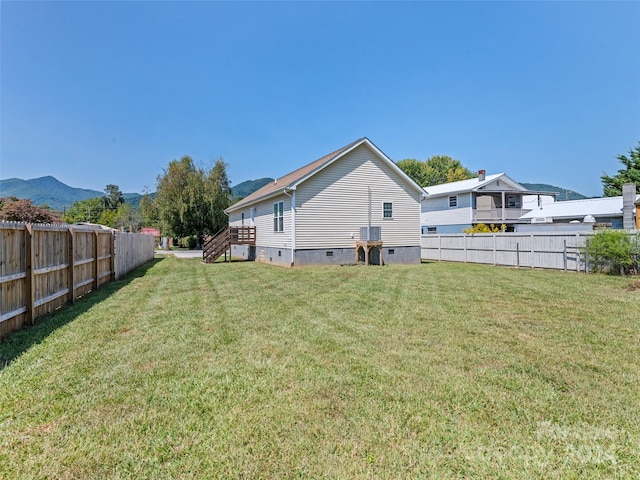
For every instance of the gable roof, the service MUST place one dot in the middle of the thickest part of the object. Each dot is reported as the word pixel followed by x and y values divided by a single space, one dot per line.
pixel 472 185
pixel 291 180
pixel 598 207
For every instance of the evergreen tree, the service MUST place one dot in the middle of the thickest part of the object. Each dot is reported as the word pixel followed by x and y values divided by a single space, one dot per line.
pixel 612 186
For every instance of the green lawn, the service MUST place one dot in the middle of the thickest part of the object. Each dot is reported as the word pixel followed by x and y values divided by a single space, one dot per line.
pixel 245 370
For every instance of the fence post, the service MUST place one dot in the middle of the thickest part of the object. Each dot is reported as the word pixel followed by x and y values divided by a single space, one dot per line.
pixel 517 255
pixel 439 248
pixel 464 245
pixel 112 254
pixel 495 255
pixel 578 253
pixel 72 265
pixel 564 256
pixel 95 260
pixel 586 256
pixel 30 261
pixel 533 252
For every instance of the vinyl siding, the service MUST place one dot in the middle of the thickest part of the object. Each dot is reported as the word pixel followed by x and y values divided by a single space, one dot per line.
pixel 436 211
pixel 265 236
pixel 333 204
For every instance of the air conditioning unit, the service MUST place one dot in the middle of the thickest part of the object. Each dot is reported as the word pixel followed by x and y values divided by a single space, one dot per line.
pixel 370 234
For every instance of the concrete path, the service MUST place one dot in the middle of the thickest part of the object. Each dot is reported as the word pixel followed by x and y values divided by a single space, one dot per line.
pixel 181 253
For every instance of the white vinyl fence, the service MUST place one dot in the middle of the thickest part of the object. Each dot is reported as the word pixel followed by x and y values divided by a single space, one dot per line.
pixel 562 251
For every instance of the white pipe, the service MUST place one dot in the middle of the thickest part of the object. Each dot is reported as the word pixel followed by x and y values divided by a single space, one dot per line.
pixel 293 223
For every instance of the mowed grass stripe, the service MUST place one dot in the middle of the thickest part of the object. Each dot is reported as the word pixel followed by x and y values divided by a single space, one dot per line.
pixel 245 370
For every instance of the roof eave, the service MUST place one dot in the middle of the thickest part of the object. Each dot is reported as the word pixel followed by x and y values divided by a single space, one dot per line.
pixel 239 205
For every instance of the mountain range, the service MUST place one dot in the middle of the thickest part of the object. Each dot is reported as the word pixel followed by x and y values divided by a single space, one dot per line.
pixel 563 193
pixel 59 196
pixel 53 193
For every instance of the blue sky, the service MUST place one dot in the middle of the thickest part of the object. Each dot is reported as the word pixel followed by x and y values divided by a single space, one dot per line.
pixel 110 92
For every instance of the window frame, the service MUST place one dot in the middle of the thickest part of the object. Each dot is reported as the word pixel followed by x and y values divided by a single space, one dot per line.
pixel 278 217
pixel 453 201
pixel 386 210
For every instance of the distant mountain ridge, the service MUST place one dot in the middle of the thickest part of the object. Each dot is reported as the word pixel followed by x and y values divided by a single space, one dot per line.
pixel 52 192
pixel 247 187
pixel 563 193
pixel 59 196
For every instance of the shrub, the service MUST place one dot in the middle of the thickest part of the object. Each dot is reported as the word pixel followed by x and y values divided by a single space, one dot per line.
pixel 188 242
pixel 482 228
pixel 614 251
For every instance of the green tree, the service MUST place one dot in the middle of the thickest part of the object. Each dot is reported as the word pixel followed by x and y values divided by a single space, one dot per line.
pixel 217 196
pixel 612 186
pixel 148 211
pixel 127 218
pixel 435 170
pixel 190 201
pixel 89 210
pixel 113 198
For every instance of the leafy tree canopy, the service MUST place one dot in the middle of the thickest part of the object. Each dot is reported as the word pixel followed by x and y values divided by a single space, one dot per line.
pixel 612 186
pixel 89 210
pixel 190 200
pixel 113 198
pixel 110 210
pixel 435 170
pixel 23 210
pixel 148 211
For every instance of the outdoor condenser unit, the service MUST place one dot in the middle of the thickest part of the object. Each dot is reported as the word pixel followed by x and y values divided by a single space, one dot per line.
pixel 370 234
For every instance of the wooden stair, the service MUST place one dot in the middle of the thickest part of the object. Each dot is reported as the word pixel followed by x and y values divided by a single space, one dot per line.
pixel 214 246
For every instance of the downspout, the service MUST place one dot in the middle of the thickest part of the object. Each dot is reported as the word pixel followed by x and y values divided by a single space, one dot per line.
pixel 293 223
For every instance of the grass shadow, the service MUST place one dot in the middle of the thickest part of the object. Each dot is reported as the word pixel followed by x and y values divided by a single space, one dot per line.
pixel 16 343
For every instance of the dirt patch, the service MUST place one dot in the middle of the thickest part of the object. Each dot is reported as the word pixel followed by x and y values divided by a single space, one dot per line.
pixel 633 286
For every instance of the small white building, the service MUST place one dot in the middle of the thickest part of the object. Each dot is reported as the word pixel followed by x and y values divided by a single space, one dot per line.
pixel 605 212
pixel 317 214
pixel 490 199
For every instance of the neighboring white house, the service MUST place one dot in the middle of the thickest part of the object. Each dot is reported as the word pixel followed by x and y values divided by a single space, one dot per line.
pixel 315 214
pixel 490 199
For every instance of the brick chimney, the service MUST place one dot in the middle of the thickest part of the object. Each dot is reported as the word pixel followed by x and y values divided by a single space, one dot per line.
pixel 481 175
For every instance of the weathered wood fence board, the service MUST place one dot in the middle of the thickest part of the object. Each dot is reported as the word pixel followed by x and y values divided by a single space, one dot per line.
pixel 43 267
pixel 562 251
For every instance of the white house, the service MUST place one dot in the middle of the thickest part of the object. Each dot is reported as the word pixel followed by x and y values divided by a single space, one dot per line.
pixel 316 214
pixel 489 199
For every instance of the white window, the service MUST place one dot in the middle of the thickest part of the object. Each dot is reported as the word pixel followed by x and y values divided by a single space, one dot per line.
pixel 429 230
pixel 512 201
pixel 278 217
pixel 387 210
pixel 453 201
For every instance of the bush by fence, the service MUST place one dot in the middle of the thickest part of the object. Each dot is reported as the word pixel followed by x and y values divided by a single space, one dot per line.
pixel 614 251
pixel 43 267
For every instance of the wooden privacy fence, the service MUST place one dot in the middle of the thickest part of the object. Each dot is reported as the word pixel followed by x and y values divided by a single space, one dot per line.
pixel 43 267
pixel 562 251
